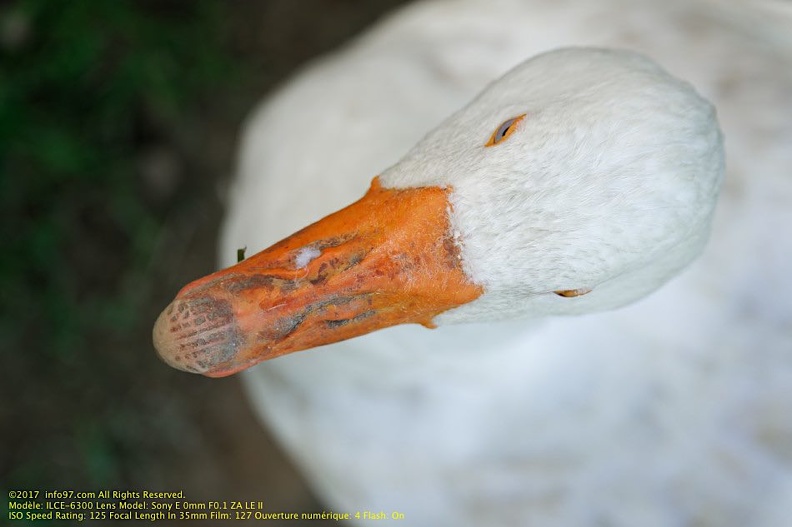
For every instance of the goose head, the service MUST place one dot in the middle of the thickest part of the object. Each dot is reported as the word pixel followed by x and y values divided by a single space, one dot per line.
pixel 582 180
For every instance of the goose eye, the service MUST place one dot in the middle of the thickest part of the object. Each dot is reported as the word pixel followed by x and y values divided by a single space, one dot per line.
pixel 504 130
pixel 569 293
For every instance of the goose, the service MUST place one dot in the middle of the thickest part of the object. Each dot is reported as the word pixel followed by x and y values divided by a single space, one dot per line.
pixel 612 317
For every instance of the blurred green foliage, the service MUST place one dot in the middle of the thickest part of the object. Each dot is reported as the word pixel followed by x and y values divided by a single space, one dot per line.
pixel 86 87
pixel 83 86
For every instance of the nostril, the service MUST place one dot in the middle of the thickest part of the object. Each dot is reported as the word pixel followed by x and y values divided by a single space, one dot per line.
pixel 197 334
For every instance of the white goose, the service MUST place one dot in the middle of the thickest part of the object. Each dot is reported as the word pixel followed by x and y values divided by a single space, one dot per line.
pixel 599 182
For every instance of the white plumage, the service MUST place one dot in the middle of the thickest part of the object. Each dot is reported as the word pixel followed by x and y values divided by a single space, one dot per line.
pixel 674 411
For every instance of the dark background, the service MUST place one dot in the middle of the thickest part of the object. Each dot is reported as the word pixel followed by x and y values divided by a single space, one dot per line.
pixel 118 125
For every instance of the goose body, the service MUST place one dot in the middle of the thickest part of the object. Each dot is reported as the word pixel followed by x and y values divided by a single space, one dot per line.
pixel 672 411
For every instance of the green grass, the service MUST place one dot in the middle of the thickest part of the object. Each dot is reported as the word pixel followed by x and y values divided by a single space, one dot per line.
pixel 77 99
pixel 86 86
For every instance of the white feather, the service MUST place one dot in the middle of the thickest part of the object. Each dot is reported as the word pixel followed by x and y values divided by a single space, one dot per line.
pixel 674 411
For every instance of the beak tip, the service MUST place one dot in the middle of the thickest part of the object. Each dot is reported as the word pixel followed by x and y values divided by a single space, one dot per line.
pixel 165 342
pixel 192 335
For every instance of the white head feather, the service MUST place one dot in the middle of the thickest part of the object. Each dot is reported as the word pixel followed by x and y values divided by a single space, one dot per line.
pixel 609 183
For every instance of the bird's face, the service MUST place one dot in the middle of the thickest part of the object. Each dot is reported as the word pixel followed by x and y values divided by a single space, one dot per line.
pixel 581 180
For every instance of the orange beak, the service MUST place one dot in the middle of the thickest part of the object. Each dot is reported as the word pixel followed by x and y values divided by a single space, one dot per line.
pixel 387 259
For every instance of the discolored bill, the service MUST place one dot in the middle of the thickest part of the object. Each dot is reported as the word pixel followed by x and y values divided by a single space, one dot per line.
pixel 387 259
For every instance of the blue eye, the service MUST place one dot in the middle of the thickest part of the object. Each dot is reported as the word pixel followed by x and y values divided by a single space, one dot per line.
pixel 504 130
